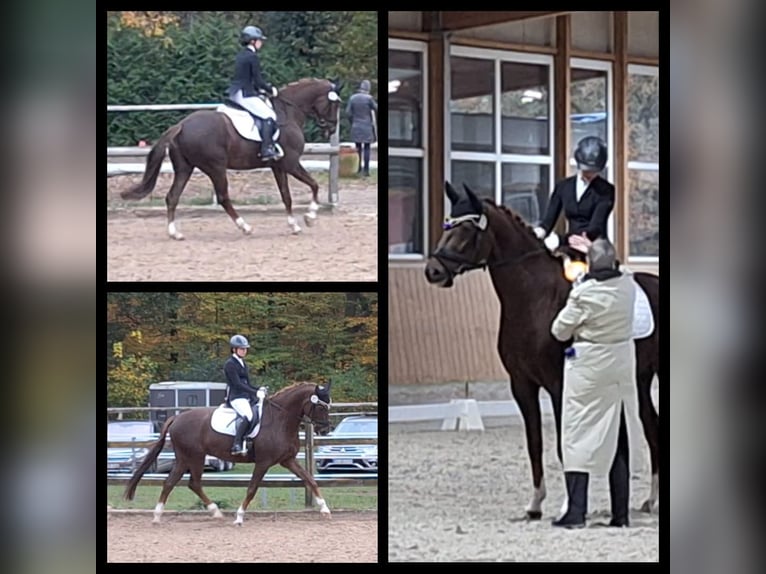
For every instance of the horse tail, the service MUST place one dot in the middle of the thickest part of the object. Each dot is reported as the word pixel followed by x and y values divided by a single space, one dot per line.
pixel 151 456
pixel 153 164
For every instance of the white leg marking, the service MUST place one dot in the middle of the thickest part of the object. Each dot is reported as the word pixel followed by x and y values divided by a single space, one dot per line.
pixel 292 224
pixel 158 512
pixel 173 232
pixel 240 516
pixel 323 508
pixel 535 505
pixel 314 207
pixel 213 507
pixel 311 217
pixel 247 229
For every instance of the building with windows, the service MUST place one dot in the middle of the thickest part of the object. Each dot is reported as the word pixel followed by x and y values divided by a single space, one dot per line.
pixel 499 100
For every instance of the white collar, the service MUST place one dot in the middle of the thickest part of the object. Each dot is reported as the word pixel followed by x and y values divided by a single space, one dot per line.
pixel 241 362
pixel 251 47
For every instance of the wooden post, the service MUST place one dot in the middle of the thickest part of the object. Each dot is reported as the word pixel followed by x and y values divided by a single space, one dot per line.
pixel 434 140
pixel 622 199
pixel 333 197
pixel 309 461
pixel 562 88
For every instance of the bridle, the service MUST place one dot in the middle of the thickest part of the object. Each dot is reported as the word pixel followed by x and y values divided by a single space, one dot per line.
pixel 464 264
pixel 308 418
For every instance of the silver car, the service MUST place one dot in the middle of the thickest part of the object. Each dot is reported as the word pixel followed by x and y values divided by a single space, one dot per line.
pixel 350 457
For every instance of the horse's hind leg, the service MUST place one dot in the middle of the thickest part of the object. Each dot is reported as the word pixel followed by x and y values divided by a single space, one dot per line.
pixel 307 478
pixel 526 394
pixel 280 176
pixel 651 422
pixel 221 185
pixel 301 174
pixel 174 476
pixel 195 484
pixel 183 170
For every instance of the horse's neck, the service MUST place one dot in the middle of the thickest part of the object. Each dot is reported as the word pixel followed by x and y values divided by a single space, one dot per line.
pixel 290 408
pixel 299 105
pixel 520 284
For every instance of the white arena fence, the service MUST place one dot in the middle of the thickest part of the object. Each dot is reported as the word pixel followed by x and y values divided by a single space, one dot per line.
pixel 330 150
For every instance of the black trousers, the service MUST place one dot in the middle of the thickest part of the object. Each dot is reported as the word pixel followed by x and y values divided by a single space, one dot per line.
pixel 619 476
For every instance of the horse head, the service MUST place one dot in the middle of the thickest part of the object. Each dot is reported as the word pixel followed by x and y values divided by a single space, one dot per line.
pixel 319 99
pixel 319 411
pixel 475 236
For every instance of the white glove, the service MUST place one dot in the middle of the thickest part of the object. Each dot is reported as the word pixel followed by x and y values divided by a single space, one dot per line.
pixel 552 241
pixel 540 232
pixel 274 92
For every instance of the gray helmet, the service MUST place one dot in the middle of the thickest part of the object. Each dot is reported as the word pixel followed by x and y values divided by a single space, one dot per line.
pixel 365 85
pixel 239 341
pixel 250 33
pixel 590 154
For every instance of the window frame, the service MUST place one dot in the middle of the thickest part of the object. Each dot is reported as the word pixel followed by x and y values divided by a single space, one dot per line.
pixel 497 156
pixel 420 47
pixel 637 70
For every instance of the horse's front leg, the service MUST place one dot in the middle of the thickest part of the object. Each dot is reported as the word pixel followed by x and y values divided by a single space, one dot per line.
pixel 293 466
pixel 252 487
pixel 284 190
pixel 302 175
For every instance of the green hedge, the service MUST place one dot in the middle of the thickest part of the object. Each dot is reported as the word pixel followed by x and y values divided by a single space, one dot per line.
pixel 192 62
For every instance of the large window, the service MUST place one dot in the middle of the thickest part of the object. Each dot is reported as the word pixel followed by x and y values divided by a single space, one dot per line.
pixel 643 163
pixel 407 207
pixel 590 114
pixel 500 129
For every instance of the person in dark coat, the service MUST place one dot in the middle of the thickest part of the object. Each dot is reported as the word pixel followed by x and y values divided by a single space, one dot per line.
pixel 586 199
pixel 239 391
pixel 248 85
pixel 360 110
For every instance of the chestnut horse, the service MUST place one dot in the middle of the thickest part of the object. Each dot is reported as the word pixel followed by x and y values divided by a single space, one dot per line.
pixel 277 442
pixel 206 139
pixel 532 289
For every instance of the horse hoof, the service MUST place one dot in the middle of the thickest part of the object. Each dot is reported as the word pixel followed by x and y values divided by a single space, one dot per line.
pixel 296 230
pixel 309 219
pixel 178 237
pixel 647 507
pixel 534 514
pixel 248 230
pixel 325 515
pixel 237 523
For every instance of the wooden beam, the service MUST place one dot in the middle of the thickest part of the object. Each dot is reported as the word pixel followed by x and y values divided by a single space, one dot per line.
pixel 434 139
pixel 622 203
pixel 561 83
pixel 463 20
pixel 505 46
pixel 407 35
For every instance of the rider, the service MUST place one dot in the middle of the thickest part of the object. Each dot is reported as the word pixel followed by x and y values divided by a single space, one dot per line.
pixel 248 82
pixel 239 390
pixel 587 200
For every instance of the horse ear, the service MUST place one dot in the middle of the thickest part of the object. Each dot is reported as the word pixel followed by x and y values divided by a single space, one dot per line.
pixel 452 193
pixel 475 201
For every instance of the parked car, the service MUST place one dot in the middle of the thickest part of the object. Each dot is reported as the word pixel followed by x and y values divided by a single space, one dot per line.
pixel 127 459
pixel 350 457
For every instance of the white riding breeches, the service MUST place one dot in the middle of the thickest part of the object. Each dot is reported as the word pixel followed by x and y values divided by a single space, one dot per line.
pixel 242 406
pixel 255 105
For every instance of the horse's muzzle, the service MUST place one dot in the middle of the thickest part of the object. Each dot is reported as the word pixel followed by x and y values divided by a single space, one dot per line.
pixel 437 274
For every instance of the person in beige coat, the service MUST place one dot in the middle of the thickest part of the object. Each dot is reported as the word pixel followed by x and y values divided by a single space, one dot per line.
pixel 600 400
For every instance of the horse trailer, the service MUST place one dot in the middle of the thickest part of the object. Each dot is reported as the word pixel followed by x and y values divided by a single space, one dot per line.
pixel 182 394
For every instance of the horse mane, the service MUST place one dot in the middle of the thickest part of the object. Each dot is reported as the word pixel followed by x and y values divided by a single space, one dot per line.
pixel 509 213
pixel 290 388
pixel 301 82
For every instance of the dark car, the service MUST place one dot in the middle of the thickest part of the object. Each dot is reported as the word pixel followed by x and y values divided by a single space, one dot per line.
pixel 347 456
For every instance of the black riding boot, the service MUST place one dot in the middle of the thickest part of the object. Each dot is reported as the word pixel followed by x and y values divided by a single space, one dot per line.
pixel 577 495
pixel 237 447
pixel 619 479
pixel 268 151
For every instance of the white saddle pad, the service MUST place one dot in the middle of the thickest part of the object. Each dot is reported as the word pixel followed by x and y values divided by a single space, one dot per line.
pixel 224 417
pixel 244 123
pixel 643 320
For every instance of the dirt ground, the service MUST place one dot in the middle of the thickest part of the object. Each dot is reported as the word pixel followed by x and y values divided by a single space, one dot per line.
pixel 264 537
pixel 341 246
pixel 461 496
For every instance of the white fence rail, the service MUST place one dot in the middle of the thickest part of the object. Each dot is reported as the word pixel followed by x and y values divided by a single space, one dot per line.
pixel 332 150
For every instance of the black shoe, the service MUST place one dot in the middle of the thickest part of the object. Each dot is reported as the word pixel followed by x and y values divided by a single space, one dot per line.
pixel 622 523
pixel 237 447
pixel 577 495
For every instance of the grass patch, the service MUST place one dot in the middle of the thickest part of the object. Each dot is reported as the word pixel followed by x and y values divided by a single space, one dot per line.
pixel 229 498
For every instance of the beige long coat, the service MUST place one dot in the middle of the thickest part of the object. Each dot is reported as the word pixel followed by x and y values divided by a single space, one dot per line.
pixel 600 379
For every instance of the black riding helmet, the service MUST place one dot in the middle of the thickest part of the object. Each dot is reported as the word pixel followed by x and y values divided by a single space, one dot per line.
pixel 590 154
pixel 250 33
